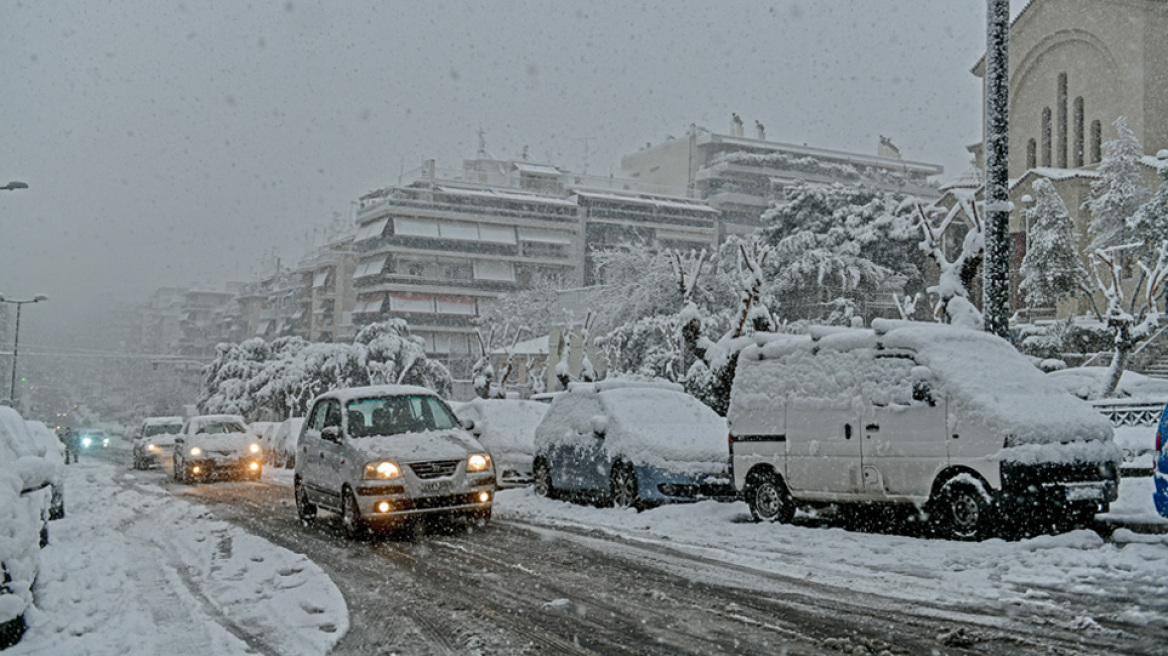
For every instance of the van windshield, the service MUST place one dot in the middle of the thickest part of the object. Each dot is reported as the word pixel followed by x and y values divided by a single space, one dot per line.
pixel 394 415
pixel 163 429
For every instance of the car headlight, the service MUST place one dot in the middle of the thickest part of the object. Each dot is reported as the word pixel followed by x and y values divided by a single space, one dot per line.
pixel 254 448
pixel 478 462
pixel 196 451
pixel 86 441
pixel 151 447
pixel 382 469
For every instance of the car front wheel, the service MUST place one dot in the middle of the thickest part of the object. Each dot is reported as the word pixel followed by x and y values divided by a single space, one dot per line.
pixel 351 515
pixel 769 499
pixel 624 487
pixel 962 511
pixel 543 479
pixel 305 509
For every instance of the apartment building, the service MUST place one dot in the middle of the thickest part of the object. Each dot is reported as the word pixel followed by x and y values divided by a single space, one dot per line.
pixel 436 252
pixel 740 176
pixel 326 297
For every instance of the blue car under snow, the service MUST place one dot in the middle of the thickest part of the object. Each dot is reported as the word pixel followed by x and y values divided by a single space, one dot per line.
pixel 633 444
pixel 1160 471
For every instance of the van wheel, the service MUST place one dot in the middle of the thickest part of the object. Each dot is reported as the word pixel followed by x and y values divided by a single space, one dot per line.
pixel 769 499
pixel 961 511
pixel 351 515
pixel 305 509
pixel 623 484
pixel 543 479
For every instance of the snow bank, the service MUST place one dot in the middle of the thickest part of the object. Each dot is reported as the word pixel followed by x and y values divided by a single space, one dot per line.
pixel 133 570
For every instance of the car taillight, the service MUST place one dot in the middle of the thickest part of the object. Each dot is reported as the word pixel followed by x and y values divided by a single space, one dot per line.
pixel 730 442
pixel 1159 441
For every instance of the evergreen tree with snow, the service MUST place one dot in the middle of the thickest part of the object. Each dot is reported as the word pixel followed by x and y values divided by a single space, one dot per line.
pixel 1149 224
pixel 1116 194
pixel 1051 270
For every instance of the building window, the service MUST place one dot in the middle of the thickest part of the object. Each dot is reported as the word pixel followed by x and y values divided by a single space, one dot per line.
pixel 1096 142
pixel 1046 136
pixel 1031 154
pixel 1078 131
pixel 1062 120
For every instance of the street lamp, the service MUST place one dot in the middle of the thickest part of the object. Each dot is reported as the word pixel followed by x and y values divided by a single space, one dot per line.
pixel 15 184
pixel 16 338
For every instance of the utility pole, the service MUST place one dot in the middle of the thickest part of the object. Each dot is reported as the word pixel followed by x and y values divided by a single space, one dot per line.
pixel 996 273
pixel 587 150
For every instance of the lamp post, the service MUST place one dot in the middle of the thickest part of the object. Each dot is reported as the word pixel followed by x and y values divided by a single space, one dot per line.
pixel 16 338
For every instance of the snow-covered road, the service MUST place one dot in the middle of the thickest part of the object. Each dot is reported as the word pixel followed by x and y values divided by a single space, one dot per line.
pixel 133 570
pixel 553 577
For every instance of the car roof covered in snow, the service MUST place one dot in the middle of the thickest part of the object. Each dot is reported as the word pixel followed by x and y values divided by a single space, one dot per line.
pixel 161 421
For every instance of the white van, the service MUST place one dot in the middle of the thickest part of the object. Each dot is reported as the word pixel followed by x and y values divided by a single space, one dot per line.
pixel 953 421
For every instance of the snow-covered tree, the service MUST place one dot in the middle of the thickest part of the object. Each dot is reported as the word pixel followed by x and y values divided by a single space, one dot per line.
pixel 393 356
pixel 1116 194
pixel 1149 224
pixel 832 244
pixel 1051 270
pixel 720 357
pixel 951 293
pixel 1129 327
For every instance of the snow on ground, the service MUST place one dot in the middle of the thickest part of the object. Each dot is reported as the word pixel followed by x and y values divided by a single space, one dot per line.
pixel 131 569
pixel 1019 576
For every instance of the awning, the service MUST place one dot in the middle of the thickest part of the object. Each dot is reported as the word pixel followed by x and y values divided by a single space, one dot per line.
pixel 262 327
pixel 369 304
pixel 537 169
pixel 371 229
pixel 545 236
pixel 320 279
pixel 370 267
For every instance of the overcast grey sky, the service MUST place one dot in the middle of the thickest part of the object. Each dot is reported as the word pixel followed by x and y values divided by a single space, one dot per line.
pixel 176 144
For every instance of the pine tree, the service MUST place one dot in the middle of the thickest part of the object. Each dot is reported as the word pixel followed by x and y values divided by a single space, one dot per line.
pixel 1149 224
pixel 1116 194
pixel 1051 270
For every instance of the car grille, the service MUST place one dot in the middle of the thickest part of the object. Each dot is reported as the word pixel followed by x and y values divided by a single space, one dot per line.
pixel 434 468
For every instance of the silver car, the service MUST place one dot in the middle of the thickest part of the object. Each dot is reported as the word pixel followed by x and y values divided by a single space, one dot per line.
pixel 216 446
pixel 380 455
pixel 155 441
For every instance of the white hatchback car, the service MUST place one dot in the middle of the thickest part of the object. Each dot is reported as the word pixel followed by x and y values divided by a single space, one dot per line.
pixel 379 455
pixel 215 446
pixel 155 441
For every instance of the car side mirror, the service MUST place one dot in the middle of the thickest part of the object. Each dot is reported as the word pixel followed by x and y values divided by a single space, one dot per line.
pixel 468 424
pixel 599 426
pixel 331 433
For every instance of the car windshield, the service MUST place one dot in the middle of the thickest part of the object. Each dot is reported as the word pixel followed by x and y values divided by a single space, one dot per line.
pixel 220 427
pixel 163 429
pixel 398 414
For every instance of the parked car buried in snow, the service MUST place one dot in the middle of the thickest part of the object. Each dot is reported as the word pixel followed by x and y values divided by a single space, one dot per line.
pixel 507 428
pixel 634 444
pixel 379 455
pixel 216 446
pixel 53 450
pixel 953 421
pixel 285 440
pixel 25 501
pixel 154 442
pixel 1160 469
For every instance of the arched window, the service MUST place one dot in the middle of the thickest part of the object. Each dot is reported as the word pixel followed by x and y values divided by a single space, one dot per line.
pixel 1062 120
pixel 1031 153
pixel 1078 131
pixel 1046 136
pixel 1096 142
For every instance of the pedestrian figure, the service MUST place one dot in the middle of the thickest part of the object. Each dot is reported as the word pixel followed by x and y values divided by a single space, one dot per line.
pixel 72 445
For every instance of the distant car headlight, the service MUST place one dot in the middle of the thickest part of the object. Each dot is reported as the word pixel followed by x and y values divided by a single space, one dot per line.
pixel 254 448
pixel 478 462
pixel 382 469
pixel 196 451
pixel 85 441
pixel 105 442
pixel 151 447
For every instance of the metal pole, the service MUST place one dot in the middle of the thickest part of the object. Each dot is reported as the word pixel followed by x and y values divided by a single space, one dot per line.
pixel 996 272
pixel 15 350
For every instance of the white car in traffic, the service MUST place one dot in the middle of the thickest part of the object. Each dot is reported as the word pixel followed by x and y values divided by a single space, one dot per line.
pixel 216 446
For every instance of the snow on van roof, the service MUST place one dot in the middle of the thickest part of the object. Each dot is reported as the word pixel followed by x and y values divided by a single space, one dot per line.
pixel 983 378
pixel 623 383
pixel 372 391
pixel 161 421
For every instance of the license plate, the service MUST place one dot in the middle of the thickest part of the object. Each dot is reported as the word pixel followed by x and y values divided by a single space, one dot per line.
pixel 1088 492
pixel 436 486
